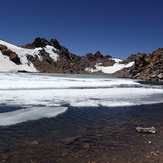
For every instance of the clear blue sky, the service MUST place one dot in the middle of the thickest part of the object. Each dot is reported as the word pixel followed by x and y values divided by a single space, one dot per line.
pixel 115 27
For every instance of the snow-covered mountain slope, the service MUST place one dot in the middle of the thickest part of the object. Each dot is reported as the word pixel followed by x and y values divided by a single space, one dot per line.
pixel 44 56
pixel 6 65
pixel 50 57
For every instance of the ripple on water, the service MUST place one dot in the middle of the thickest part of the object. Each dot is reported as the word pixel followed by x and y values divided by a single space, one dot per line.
pixel 83 121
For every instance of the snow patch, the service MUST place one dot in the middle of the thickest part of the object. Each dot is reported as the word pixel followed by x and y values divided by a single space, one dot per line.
pixel 109 69
pixel 6 65
pixel 117 60
pixel 50 49
pixel 89 69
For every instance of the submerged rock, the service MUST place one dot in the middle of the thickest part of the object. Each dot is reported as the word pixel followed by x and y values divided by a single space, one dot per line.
pixel 86 146
pixel 70 140
pixel 151 130
pixel 35 142
pixel 4 157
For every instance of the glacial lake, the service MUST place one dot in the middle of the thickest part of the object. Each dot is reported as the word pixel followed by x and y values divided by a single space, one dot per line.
pixel 38 111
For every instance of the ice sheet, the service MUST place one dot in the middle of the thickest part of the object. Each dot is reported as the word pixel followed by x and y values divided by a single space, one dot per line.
pixel 50 49
pixel 40 91
pixel 27 81
pixel 27 89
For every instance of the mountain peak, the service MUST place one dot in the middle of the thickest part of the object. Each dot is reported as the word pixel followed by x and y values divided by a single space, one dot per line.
pixel 42 42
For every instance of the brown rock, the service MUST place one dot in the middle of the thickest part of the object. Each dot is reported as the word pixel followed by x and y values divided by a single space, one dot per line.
pixel 86 146
pixel 70 140
pixel 146 67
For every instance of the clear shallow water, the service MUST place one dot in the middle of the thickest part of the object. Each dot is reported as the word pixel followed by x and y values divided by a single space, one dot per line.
pixel 113 123
pixel 49 107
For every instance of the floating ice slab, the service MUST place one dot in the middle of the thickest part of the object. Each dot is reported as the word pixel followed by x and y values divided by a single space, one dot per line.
pixel 34 113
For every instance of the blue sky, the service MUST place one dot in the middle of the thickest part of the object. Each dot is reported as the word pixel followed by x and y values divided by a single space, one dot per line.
pixel 115 27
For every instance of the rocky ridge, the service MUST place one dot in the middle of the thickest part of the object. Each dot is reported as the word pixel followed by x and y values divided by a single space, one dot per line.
pixel 146 67
pixel 67 62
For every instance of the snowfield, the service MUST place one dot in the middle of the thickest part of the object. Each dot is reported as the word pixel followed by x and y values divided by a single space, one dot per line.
pixel 8 66
pixel 47 95
pixel 110 69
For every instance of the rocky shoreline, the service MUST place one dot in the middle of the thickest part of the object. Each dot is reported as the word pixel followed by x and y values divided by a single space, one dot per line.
pixel 97 143
pixel 95 147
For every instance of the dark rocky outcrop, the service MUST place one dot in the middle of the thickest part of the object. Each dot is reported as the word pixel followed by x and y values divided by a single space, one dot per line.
pixel 38 42
pixel 42 42
pixel 146 67
pixel 12 55
pixel 55 43
pixel 67 62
